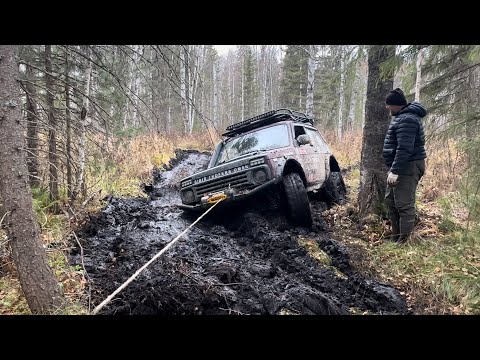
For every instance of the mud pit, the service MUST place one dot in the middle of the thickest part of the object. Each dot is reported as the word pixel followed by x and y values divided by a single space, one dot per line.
pixel 232 262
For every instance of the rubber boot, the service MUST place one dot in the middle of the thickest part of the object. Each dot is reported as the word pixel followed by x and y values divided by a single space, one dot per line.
pixel 407 223
pixel 395 221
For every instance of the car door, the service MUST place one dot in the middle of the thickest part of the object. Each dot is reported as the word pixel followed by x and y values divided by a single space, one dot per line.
pixel 322 154
pixel 310 157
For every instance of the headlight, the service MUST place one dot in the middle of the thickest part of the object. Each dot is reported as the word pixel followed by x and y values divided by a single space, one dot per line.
pixel 186 183
pixel 256 162
pixel 188 196
pixel 260 176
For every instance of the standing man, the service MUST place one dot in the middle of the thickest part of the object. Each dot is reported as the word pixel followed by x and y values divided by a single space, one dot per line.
pixel 404 154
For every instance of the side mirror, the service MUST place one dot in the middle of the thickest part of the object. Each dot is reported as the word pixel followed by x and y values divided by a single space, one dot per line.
pixel 304 139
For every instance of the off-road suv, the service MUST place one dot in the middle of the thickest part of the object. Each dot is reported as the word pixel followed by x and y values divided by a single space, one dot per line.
pixel 279 152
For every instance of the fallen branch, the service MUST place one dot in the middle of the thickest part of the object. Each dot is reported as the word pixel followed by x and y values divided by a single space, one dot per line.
pixel 84 271
pixel 92 195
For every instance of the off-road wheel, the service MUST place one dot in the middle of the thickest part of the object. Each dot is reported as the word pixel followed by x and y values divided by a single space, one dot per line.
pixel 335 190
pixel 298 205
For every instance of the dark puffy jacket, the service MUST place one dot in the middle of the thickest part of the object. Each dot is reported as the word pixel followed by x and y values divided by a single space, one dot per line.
pixel 405 139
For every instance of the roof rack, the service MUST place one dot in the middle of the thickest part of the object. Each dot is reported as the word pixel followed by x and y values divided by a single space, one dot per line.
pixel 266 119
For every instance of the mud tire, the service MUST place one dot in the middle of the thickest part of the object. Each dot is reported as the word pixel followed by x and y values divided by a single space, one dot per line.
pixel 297 203
pixel 335 190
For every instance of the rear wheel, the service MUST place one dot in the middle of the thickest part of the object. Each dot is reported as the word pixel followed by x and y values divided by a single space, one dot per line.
pixel 335 190
pixel 297 201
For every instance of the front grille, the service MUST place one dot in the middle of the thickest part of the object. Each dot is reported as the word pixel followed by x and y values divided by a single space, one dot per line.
pixel 237 181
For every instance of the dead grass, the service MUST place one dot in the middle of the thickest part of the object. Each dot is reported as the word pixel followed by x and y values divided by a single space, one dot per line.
pixel 120 174
pixel 439 268
pixel 438 271
pixel 133 160
pixel 348 151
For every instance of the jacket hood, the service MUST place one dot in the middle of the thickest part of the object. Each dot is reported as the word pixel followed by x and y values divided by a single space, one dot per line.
pixel 414 107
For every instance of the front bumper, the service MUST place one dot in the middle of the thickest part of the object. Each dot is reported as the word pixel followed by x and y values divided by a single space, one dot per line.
pixel 232 197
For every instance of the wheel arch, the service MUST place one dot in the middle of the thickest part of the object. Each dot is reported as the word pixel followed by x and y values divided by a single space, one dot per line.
pixel 293 166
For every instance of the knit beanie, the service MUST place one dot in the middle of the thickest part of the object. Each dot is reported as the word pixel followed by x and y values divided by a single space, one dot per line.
pixel 396 97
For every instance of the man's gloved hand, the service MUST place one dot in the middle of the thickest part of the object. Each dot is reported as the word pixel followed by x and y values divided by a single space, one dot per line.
pixel 392 179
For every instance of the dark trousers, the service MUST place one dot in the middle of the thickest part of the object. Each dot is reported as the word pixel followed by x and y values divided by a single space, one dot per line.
pixel 401 200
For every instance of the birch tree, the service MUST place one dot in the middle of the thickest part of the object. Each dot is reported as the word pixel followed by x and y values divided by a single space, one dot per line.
pixel 312 67
pixel 418 80
pixel 354 93
pixel 341 94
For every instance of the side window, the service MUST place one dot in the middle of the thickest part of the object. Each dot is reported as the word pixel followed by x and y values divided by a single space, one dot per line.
pixel 318 140
pixel 299 130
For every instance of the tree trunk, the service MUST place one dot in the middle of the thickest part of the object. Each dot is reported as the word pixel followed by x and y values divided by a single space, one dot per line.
pixel 52 129
pixel 135 86
pixel 215 91
pixel 32 131
pixel 184 87
pixel 342 94
pixel 271 82
pixel 127 119
pixel 38 283
pixel 232 98
pixel 312 66
pixel 418 81
pixel 194 65
pixel 372 169
pixel 300 90
pixel 364 93
pixel 68 119
pixel 242 56
pixel 169 97
pixel 353 100
pixel 83 124
pixel 169 110
pixel 188 80
pixel 263 77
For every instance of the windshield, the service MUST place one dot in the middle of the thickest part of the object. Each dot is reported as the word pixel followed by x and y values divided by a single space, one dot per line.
pixel 265 139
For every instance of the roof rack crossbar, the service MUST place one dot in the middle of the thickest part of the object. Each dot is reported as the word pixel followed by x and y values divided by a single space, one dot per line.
pixel 267 118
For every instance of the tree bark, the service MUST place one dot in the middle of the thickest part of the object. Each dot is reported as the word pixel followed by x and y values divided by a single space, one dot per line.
pixel 37 280
pixel 312 67
pixel 372 169
pixel 52 130
pixel 215 90
pixel 364 92
pixel 32 130
pixel 184 87
pixel 353 100
pixel 242 56
pixel 68 149
pixel 232 98
pixel 418 80
pixel 135 87
pixel 341 94
pixel 194 68
pixel 83 124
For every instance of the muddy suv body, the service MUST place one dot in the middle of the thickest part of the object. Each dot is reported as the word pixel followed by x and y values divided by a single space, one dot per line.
pixel 280 151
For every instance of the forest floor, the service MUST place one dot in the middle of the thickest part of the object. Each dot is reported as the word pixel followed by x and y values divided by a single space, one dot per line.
pixel 246 261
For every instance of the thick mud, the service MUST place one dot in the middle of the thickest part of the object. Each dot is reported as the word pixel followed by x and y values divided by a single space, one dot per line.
pixel 234 261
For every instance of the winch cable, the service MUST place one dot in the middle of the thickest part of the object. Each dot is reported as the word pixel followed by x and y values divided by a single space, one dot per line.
pixel 169 245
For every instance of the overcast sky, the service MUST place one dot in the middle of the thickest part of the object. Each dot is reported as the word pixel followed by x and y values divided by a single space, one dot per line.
pixel 223 49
